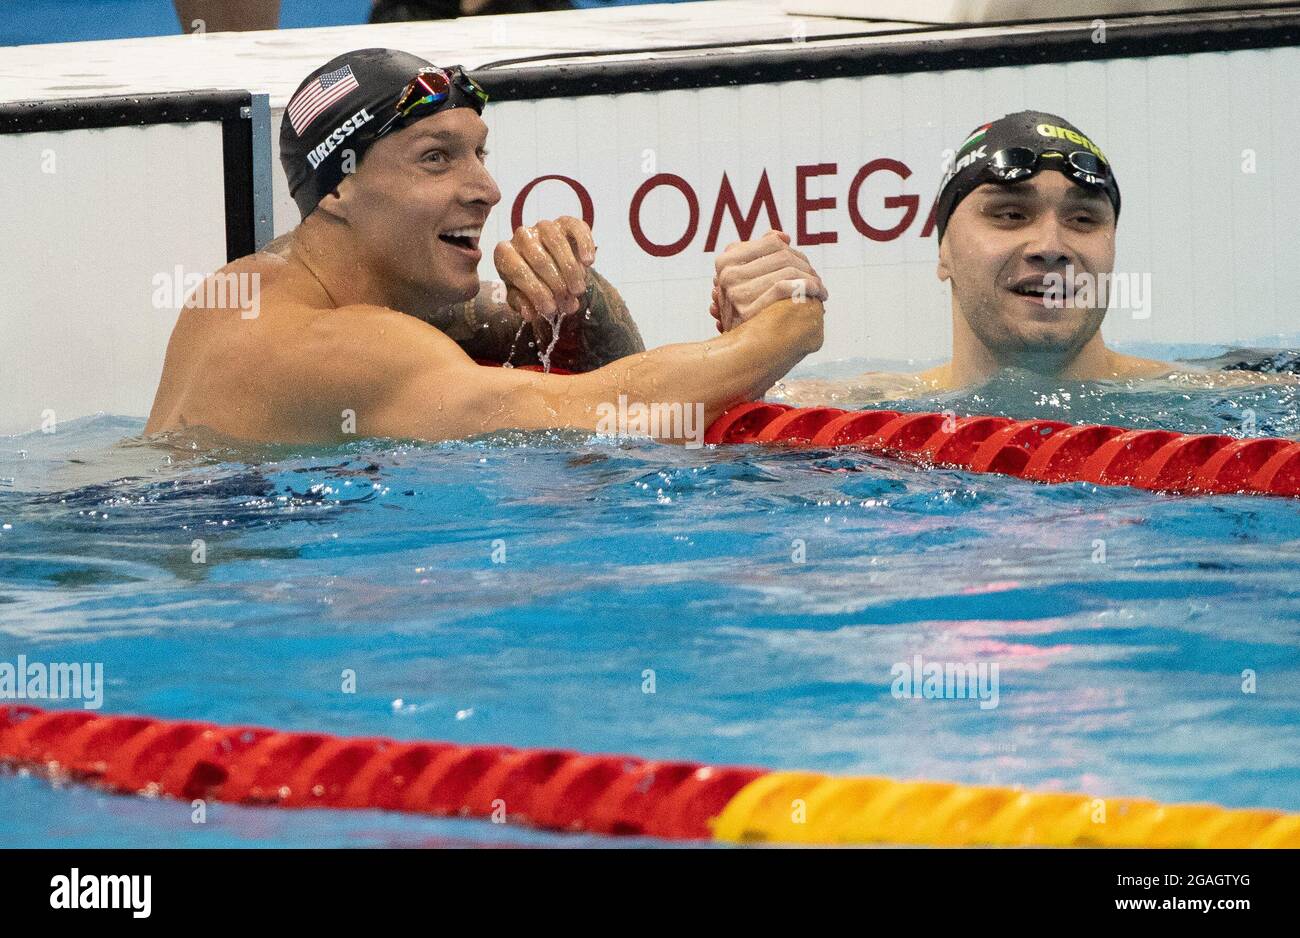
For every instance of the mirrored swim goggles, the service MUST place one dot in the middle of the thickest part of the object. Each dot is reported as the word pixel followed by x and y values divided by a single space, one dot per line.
pixel 432 90
pixel 1013 164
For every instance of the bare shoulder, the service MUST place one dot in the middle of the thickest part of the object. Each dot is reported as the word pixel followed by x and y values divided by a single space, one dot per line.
pixel 242 287
pixel 266 263
pixel 363 348
pixel 1131 366
pixel 1230 379
pixel 871 387
pixel 388 374
pixel 1128 366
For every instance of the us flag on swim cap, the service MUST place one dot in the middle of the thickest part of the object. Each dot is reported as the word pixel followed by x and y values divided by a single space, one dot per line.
pixel 318 95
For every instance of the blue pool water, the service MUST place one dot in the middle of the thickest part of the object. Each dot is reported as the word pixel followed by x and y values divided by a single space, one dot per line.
pixel 1121 677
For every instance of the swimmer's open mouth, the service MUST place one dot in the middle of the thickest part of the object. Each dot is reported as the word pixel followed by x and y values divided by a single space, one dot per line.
pixel 1034 286
pixel 464 238
pixel 1041 292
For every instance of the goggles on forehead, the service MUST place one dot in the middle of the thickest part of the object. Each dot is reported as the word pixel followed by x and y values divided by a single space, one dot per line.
pixel 432 90
pixel 1013 164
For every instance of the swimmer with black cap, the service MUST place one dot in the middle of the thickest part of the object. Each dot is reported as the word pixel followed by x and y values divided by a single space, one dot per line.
pixel 1010 235
pixel 1005 226
pixel 369 315
pixel 1028 198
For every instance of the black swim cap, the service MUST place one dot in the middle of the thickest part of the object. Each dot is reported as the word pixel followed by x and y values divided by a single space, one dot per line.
pixel 1035 130
pixel 342 106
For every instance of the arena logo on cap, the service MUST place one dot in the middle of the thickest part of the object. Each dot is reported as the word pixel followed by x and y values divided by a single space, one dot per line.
pixel 1051 130
pixel 317 154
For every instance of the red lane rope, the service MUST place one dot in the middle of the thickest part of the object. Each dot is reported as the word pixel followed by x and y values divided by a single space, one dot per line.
pixel 550 788
pixel 1040 450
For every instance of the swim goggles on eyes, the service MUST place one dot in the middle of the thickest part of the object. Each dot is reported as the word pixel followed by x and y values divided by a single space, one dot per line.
pixel 435 89
pixel 1015 163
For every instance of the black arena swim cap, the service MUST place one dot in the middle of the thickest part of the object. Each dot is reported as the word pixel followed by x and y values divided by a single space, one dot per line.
pixel 342 106
pixel 1037 131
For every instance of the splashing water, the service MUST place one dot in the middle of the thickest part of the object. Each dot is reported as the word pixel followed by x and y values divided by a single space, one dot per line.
pixel 556 324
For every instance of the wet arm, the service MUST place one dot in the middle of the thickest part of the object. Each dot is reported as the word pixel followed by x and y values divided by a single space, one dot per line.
pixel 487 328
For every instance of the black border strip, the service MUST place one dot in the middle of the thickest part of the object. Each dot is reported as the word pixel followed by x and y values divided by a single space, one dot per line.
pixel 1132 37
pixel 237 164
pixel 25 117
pixel 233 109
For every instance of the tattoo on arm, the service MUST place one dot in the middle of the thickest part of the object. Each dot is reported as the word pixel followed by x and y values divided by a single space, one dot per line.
pixel 489 329
pixel 600 332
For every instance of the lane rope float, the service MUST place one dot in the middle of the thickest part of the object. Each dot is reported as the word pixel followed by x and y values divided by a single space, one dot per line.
pixel 615 795
pixel 1038 450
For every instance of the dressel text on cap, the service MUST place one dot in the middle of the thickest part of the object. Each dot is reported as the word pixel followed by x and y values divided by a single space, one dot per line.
pixel 317 154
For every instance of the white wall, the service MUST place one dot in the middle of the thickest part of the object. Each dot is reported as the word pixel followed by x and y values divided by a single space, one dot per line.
pixel 89 218
pixel 80 247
